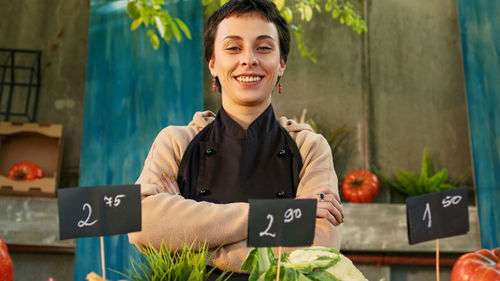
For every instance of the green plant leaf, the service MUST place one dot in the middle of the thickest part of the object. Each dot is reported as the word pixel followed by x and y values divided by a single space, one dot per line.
pixel 175 29
pixel 154 41
pixel 133 10
pixel 308 13
pixel 309 266
pixel 322 276
pixel 136 23
pixel 206 2
pixel 290 274
pixel 335 13
pixel 383 178
pixel 250 260
pixel 279 4
pixel 183 27
pixel 210 9
pixel 328 6
pixel 168 35
pixel 425 170
pixel 287 14
pixel 160 26
pixel 409 181
pixel 445 186
pixel 162 264
pixel 436 181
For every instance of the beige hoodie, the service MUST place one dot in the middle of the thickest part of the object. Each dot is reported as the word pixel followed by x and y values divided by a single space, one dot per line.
pixel 169 217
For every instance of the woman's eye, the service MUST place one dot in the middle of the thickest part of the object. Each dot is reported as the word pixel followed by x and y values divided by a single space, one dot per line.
pixel 233 48
pixel 265 48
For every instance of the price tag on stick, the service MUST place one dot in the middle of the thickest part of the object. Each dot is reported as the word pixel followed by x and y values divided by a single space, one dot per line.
pixel 437 215
pixel 99 210
pixel 281 222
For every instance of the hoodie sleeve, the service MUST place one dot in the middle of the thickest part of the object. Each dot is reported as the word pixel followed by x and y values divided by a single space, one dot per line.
pixel 171 218
pixel 317 171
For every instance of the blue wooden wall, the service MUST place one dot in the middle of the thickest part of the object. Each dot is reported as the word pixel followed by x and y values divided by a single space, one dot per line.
pixel 480 34
pixel 132 92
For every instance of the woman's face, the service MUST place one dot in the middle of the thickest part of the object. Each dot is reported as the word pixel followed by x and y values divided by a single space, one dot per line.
pixel 246 60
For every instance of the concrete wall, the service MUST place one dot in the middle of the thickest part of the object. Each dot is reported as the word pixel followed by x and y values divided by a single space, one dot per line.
pixel 35 25
pixel 400 87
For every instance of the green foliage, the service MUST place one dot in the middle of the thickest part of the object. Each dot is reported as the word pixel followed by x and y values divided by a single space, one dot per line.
pixel 157 20
pixel 304 10
pixel 165 265
pixel 262 265
pixel 295 12
pixel 334 139
pixel 412 184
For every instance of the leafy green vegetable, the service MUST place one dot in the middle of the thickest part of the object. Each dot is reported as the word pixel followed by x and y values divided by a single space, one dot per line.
pixel 308 264
pixel 412 184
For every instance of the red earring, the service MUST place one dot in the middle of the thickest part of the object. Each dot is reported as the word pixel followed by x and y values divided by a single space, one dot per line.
pixel 279 89
pixel 213 85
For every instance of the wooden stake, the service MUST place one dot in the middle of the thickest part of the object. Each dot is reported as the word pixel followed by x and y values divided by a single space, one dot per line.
pixel 102 259
pixel 279 264
pixel 437 259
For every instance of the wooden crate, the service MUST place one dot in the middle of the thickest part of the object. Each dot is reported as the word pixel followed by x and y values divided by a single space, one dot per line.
pixel 40 143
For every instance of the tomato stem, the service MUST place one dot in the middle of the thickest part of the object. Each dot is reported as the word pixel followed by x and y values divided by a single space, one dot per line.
pixel 20 175
pixel 358 182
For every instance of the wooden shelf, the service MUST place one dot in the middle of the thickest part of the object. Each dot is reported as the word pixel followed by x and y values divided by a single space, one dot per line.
pixel 33 222
pixel 382 228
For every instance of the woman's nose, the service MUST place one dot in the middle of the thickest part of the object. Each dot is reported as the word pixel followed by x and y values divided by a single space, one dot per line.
pixel 249 58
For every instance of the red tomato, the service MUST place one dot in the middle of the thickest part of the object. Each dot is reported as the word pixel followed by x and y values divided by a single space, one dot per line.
pixel 6 268
pixel 25 171
pixel 360 187
pixel 481 265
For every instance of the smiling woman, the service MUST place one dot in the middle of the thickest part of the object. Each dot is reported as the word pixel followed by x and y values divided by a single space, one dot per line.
pixel 247 64
pixel 213 166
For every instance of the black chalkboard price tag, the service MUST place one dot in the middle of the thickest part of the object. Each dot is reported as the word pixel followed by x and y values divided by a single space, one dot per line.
pixel 437 215
pixel 99 210
pixel 281 222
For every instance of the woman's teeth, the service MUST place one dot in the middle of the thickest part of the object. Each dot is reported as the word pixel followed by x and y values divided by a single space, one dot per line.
pixel 248 78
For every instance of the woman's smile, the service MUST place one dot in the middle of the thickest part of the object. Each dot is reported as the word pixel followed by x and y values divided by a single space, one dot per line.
pixel 249 80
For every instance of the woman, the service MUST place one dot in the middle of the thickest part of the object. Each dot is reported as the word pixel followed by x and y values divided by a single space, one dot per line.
pixel 220 161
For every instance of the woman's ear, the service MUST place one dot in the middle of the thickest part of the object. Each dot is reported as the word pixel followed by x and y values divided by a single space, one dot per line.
pixel 211 66
pixel 282 67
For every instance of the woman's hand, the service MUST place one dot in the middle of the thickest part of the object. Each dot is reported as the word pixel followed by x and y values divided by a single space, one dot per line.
pixel 329 206
pixel 169 184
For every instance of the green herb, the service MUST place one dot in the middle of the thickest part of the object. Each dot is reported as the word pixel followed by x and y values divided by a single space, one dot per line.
pixel 334 139
pixel 412 184
pixel 165 265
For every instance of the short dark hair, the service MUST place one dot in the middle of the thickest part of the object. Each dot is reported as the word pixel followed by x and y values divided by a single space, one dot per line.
pixel 265 8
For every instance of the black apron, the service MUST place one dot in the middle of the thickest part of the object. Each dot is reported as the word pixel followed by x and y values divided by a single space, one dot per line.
pixel 225 164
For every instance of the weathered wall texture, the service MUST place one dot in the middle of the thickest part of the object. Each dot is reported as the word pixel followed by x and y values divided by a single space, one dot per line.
pixel 35 25
pixel 400 87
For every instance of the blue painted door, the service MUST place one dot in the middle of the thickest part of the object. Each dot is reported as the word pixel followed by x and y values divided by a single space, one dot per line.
pixel 480 34
pixel 132 92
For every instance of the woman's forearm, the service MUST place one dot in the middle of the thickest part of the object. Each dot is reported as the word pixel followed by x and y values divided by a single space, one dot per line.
pixel 176 220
